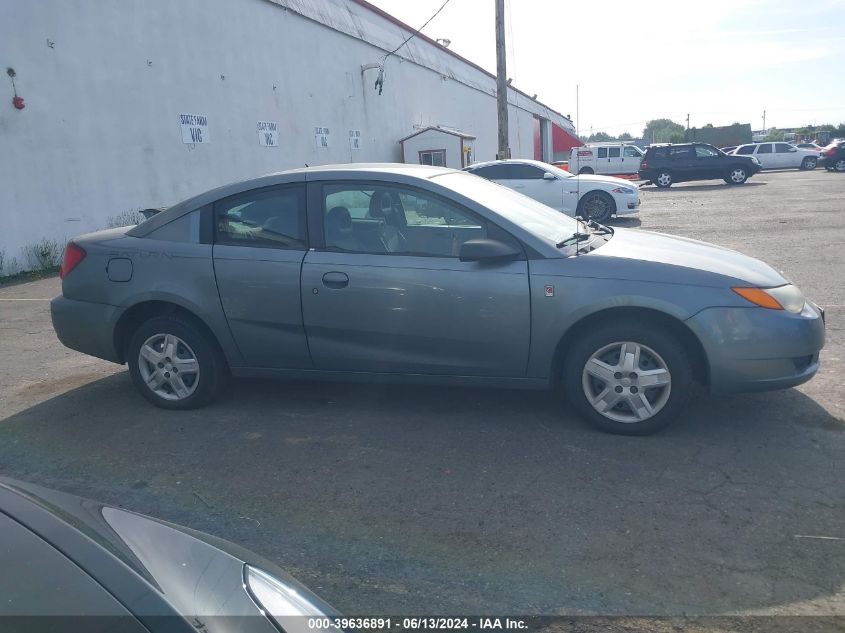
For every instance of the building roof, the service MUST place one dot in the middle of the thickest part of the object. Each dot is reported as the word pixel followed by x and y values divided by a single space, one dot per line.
pixel 438 128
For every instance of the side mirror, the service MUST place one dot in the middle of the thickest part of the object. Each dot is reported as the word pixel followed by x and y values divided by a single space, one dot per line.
pixel 793 149
pixel 484 250
pixel 548 176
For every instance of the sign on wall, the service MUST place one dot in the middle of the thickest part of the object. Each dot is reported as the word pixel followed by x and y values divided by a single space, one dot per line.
pixel 354 139
pixel 194 128
pixel 321 137
pixel 268 133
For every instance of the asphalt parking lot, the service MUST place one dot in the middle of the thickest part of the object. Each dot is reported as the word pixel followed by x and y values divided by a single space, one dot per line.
pixel 397 500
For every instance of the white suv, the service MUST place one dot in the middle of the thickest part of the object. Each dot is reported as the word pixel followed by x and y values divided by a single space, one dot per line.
pixel 607 158
pixel 780 155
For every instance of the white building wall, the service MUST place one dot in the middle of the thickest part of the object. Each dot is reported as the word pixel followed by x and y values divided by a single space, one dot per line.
pixel 105 82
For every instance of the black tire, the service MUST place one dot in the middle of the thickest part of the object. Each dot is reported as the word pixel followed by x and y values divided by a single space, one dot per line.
pixel 195 343
pixel 665 177
pixel 598 206
pixel 839 165
pixel 737 175
pixel 652 338
pixel 586 170
pixel 809 163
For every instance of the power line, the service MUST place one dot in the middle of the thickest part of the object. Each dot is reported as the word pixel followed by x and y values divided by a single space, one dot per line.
pixel 415 33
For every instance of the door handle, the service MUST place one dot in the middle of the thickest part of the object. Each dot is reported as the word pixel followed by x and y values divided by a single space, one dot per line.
pixel 335 280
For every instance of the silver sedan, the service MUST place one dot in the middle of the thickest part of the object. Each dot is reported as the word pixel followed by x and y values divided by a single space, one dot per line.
pixel 428 275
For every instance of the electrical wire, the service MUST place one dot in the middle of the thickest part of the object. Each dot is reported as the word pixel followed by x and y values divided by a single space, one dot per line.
pixel 415 33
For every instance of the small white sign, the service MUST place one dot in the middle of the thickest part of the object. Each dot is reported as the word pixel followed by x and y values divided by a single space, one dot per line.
pixel 194 128
pixel 354 139
pixel 268 133
pixel 321 137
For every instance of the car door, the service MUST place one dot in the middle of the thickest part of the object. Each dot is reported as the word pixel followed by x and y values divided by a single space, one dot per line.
pixel 259 245
pixel 532 181
pixel 388 293
pixel 614 160
pixel 709 162
pixel 787 156
pixel 766 156
pixel 683 163
pixel 631 158
pixel 602 166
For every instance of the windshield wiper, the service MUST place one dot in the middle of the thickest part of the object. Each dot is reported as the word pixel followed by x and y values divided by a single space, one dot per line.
pixel 573 239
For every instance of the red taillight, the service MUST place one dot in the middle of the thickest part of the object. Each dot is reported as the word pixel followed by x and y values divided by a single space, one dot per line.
pixel 644 164
pixel 831 151
pixel 73 255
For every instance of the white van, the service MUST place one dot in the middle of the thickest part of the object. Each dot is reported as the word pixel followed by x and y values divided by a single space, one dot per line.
pixel 605 158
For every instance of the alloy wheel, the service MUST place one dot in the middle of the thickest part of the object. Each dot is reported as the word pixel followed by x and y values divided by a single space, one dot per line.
pixel 597 208
pixel 738 176
pixel 664 179
pixel 169 367
pixel 839 165
pixel 626 382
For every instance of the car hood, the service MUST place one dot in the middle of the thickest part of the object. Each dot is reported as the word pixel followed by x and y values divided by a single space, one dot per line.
pixel 607 180
pixel 659 248
pixel 195 573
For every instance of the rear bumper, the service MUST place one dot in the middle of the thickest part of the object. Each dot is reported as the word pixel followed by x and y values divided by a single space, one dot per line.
pixel 86 327
pixel 755 349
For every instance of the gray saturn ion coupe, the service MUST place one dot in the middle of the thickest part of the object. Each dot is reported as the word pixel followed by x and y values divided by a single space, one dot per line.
pixel 426 274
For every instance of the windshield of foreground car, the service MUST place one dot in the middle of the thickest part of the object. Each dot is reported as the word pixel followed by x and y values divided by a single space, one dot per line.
pixel 535 217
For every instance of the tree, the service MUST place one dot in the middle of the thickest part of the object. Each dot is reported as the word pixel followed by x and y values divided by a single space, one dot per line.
pixel 625 137
pixel 774 136
pixel 663 131
pixel 599 137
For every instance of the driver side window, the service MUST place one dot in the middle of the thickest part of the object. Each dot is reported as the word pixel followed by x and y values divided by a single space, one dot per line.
pixel 385 219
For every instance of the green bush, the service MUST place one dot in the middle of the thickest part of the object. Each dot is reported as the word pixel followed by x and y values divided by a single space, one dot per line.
pixel 44 255
pixel 125 218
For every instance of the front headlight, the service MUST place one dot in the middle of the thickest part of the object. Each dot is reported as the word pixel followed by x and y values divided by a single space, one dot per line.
pixel 786 297
pixel 627 190
pixel 285 604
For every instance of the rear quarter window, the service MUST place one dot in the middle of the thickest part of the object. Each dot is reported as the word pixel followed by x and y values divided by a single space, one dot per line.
pixel 184 229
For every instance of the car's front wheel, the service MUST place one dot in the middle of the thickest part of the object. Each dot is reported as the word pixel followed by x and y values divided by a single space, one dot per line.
pixel 663 179
pixel 736 176
pixel 839 165
pixel 174 364
pixel 628 379
pixel 809 163
pixel 598 206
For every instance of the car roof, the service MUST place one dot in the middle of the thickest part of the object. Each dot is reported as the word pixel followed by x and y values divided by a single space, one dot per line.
pixel 511 161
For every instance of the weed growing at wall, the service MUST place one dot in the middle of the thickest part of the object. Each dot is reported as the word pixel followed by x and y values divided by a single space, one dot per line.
pixel 43 255
pixel 125 218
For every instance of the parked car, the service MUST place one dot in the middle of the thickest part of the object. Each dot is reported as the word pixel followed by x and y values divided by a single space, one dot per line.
pixel 605 158
pixel 434 276
pixel 811 146
pixel 780 155
pixel 728 150
pixel 833 157
pixel 667 164
pixel 589 196
pixel 70 564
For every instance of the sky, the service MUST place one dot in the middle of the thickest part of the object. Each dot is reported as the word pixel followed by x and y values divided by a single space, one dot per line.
pixel 720 61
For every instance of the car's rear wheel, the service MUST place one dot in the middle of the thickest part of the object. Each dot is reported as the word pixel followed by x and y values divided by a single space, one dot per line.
pixel 809 163
pixel 839 165
pixel 663 179
pixel 736 176
pixel 629 379
pixel 598 206
pixel 586 170
pixel 174 364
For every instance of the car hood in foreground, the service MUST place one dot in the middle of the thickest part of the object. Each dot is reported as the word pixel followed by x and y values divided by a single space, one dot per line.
pixel 658 248
pixel 194 573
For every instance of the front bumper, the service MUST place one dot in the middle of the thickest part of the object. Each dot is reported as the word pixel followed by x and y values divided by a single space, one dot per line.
pixel 86 327
pixel 627 204
pixel 755 349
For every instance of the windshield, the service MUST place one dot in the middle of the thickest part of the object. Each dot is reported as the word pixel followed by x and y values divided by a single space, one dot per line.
pixel 535 217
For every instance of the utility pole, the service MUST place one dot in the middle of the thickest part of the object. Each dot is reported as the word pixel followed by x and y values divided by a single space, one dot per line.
pixel 501 82
pixel 764 120
pixel 687 121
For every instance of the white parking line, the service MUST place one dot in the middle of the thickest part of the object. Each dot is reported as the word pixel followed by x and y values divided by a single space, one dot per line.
pixel 16 299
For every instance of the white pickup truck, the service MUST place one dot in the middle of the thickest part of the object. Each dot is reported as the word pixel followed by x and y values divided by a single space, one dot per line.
pixel 605 158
